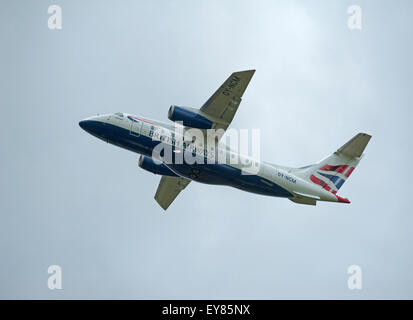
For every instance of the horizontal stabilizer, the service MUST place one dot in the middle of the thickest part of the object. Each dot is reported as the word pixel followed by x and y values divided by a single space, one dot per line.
pixel 303 198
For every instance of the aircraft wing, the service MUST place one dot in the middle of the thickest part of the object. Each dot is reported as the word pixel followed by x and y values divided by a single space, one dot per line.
pixel 221 107
pixel 223 104
pixel 168 190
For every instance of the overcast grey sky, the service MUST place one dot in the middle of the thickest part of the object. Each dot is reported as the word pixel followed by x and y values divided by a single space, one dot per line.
pixel 72 200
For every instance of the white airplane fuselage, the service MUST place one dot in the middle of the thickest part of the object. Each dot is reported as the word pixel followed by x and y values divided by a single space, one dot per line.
pixel 137 134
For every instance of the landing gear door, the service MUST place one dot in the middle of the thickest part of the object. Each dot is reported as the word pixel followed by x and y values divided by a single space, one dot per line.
pixel 135 127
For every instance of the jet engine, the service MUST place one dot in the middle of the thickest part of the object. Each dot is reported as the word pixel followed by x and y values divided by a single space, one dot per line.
pixel 148 164
pixel 190 117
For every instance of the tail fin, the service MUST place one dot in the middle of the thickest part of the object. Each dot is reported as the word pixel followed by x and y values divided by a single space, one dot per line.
pixel 331 172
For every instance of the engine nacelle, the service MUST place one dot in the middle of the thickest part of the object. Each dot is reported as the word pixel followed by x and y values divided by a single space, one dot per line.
pixel 190 117
pixel 148 164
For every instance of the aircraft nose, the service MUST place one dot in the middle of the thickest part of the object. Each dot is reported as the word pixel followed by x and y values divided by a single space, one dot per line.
pixel 95 127
pixel 90 126
pixel 83 124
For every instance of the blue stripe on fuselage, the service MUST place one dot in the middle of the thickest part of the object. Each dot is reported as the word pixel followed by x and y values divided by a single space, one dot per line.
pixel 223 174
pixel 210 173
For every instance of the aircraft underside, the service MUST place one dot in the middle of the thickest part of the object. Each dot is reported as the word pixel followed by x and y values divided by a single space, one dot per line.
pixel 222 174
pixel 217 174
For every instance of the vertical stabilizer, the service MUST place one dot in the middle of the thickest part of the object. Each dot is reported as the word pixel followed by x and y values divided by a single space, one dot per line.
pixel 331 172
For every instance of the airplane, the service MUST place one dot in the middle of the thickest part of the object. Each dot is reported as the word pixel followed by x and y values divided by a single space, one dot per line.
pixel 305 185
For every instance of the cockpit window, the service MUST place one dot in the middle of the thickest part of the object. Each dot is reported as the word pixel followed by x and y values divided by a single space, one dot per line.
pixel 119 114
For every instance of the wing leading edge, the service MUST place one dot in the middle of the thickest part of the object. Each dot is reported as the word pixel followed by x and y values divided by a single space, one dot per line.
pixel 223 104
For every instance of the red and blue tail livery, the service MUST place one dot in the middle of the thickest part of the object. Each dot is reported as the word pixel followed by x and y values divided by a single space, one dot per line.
pixel 333 178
